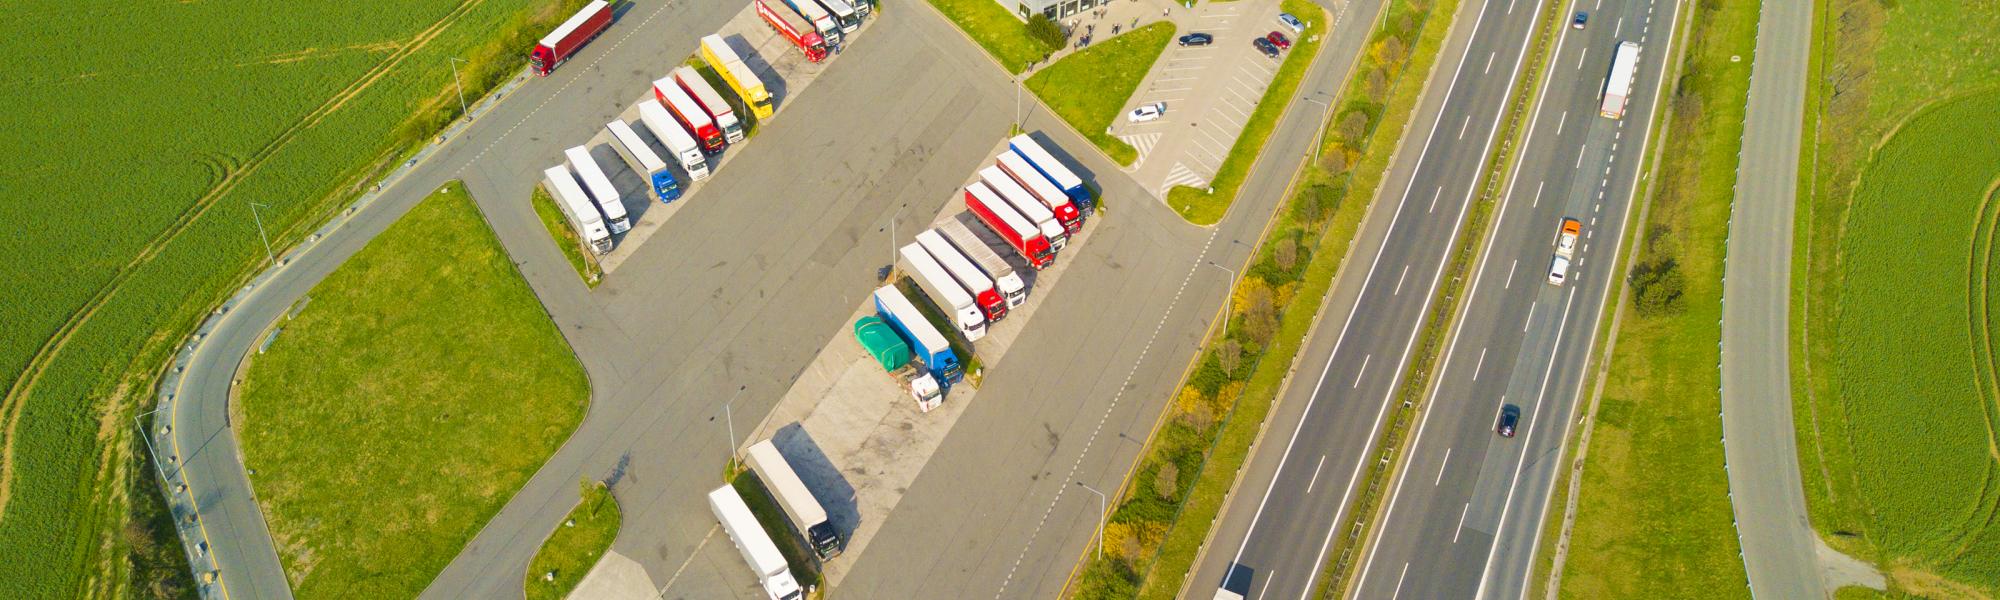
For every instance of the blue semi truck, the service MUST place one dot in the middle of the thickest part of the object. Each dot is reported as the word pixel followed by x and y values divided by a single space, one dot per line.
pixel 643 161
pixel 1058 174
pixel 925 341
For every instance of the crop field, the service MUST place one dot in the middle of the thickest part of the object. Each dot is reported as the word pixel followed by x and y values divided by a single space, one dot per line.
pixel 393 416
pixel 1088 88
pixel 1894 296
pixel 137 158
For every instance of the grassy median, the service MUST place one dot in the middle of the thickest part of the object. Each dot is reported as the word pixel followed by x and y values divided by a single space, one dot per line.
pixel 575 546
pixel 1205 207
pixel 994 29
pixel 579 257
pixel 1088 88
pixel 415 393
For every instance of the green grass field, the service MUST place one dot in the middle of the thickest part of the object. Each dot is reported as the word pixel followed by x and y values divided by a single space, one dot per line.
pixel 1088 88
pixel 1199 206
pixel 1639 534
pixel 1899 466
pixel 166 125
pixel 1002 35
pixel 575 546
pixel 566 238
pixel 416 393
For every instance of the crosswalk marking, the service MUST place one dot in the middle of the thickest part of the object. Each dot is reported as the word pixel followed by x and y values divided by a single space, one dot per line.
pixel 1181 175
pixel 1143 142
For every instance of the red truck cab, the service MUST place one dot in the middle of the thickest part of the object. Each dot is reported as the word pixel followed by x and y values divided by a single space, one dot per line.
pixel 558 46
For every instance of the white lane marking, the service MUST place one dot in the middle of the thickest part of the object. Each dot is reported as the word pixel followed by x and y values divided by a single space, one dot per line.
pixel 1531 315
pixel 1399 281
pixel 1489 60
pixel 1580 55
pixel 1620 26
pixel 1362 371
pixel 1538 194
pixel 1399 582
pixel 1463 126
pixel 1267 584
pixel 1579 155
pixel 1509 283
pixel 1561 121
pixel 1441 465
pixel 1527 422
pixel 690 559
pixel 1481 365
pixel 1315 478
pixel 1434 200
pixel 1461 522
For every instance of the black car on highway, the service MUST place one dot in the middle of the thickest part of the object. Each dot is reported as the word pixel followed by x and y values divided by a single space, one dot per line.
pixel 1510 417
pixel 1197 39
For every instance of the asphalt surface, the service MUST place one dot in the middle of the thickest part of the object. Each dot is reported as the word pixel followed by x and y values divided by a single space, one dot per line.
pixel 1526 344
pixel 746 282
pixel 1758 444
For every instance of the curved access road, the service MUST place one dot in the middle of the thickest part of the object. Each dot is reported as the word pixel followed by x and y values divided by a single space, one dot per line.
pixel 1757 434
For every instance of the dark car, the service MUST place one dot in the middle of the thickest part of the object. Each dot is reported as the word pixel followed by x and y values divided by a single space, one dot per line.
pixel 1279 39
pixel 1265 46
pixel 1197 39
pixel 1510 416
pixel 1580 18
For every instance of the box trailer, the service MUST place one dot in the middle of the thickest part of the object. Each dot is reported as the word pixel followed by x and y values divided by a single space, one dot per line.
pixel 984 294
pixel 578 159
pixel 1051 168
pixel 675 137
pixel 961 236
pixel 843 13
pixel 737 75
pixel 1618 85
pixel 669 93
pixel 756 547
pixel 1027 205
pixel 793 28
pixel 558 46
pixel 704 94
pixel 929 345
pixel 576 208
pixel 822 21
pixel 807 514
pixel 883 344
pixel 1042 189
pixel 643 161
pixel 944 291
pixel 1020 233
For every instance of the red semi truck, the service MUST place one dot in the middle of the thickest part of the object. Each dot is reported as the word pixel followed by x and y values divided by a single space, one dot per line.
pixel 556 47
pixel 794 28
pixel 690 114
pixel 1003 220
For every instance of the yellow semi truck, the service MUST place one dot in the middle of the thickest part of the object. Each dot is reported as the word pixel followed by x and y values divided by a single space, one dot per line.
pixel 738 75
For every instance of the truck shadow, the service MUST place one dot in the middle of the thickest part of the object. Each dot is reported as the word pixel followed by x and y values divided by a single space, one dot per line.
pixel 774 83
pixel 823 479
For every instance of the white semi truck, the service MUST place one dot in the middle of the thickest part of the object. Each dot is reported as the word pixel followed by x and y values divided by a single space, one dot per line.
pixel 578 159
pixel 676 138
pixel 756 547
pixel 954 229
pixel 576 208
pixel 944 291
pixel 805 511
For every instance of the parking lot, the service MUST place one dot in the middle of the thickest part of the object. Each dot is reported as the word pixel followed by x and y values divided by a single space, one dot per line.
pixel 1210 92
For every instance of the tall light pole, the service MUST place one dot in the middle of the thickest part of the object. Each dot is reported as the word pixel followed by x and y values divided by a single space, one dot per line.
pixel 1232 291
pixel 730 419
pixel 1102 503
pixel 892 234
pixel 260 232
pixel 453 61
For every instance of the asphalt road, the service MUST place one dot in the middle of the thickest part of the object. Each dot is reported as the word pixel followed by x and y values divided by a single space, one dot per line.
pixel 1758 444
pixel 1472 531
pixel 1527 342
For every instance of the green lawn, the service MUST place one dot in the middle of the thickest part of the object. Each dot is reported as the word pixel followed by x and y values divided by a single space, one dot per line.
pixel 566 239
pixel 1088 88
pixel 1201 207
pixel 417 391
pixel 575 546
pixel 1639 534
pixel 996 30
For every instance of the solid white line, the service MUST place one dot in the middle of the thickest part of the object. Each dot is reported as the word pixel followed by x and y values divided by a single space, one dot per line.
pixel 1362 371
pixel 1399 281
pixel 1531 315
pixel 1526 442
pixel 1399 582
pixel 1461 522
pixel 1482 364
pixel 1441 466
pixel 1510 274
pixel 1315 479
pixel 1267 584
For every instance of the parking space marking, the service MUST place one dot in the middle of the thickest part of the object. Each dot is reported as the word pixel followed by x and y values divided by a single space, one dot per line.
pixel 1211 137
pixel 1143 142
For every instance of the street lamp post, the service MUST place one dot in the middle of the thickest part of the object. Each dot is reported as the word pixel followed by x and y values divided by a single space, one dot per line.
pixel 260 232
pixel 729 419
pixel 1102 503
pixel 892 234
pixel 453 61
pixel 1232 290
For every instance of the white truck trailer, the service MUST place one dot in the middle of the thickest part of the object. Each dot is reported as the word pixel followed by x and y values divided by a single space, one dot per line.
pixel 807 514
pixel 754 544
pixel 961 236
pixel 578 159
pixel 576 208
pixel 1027 205
pixel 676 138
pixel 943 291
pixel 704 94
pixel 1618 85
pixel 988 296
pixel 643 160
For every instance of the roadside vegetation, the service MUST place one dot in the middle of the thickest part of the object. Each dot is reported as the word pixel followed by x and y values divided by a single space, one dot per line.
pixel 1088 88
pixel 1206 207
pixel 803 563
pixel 1191 461
pixel 393 416
pixel 573 250
pixel 575 546
pixel 1897 404
pixel 1014 42
pixel 1638 534
pixel 320 102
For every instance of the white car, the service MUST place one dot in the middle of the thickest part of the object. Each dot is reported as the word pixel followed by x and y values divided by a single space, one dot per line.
pixel 1147 112
pixel 1558 271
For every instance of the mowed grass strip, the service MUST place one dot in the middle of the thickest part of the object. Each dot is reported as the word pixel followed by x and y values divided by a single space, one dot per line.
pixel 575 546
pixel 996 30
pixel 1653 518
pixel 1088 88
pixel 418 390
pixel 566 238
pixel 1202 207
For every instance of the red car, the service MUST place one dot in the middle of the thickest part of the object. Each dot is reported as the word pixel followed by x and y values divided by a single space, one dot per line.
pixel 1279 40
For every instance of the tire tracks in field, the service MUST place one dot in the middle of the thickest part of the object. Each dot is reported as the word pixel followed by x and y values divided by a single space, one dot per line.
pixel 16 399
pixel 1986 363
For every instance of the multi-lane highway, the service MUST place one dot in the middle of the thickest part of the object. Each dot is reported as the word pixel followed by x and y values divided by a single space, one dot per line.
pixel 1465 510
pixel 1462 513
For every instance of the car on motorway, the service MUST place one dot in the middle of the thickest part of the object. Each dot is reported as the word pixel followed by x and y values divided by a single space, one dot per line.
pixel 1566 237
pixel 1558 270
pixel 1292 22
pixel 1147 112
pixel 1579 20
pixel 1265 46
pixel 1510 418
pixel 1197 39
pixel 1279 40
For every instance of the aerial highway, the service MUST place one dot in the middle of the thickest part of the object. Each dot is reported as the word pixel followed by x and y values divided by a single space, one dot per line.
pixel 1281 527
pixel 1464 513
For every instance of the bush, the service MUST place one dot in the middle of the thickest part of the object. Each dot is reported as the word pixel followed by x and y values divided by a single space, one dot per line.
pixel 1657 287
pixel 1166 481
pixel 1047 32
